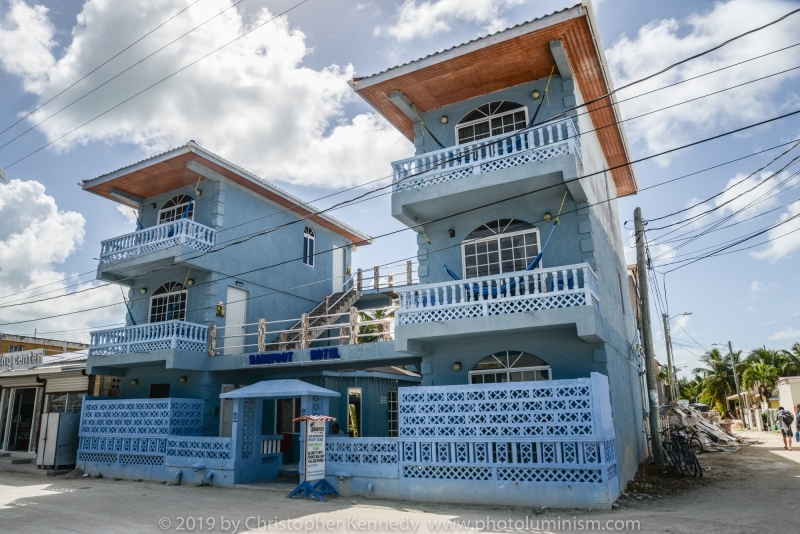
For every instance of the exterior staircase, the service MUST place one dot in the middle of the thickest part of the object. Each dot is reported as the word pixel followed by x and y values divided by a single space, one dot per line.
pixel 334 304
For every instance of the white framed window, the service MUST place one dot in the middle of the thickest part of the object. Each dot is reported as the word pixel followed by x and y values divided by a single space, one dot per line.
pixel 499 246
pixel 494 118
pixel 308 246
pixel 15 348
pixel 174 208
pixel 509 366
pixel 168 302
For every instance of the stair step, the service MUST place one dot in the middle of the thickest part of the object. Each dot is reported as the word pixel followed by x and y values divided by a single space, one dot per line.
pixel 22 461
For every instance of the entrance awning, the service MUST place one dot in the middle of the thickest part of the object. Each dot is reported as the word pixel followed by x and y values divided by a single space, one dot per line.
pixel 279 389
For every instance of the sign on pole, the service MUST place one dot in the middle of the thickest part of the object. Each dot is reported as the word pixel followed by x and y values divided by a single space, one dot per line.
pixel 315 450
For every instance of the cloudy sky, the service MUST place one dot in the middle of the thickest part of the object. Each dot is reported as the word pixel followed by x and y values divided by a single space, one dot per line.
pixel 277 103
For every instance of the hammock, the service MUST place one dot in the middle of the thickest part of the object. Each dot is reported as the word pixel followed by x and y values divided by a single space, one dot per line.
pixel 478 290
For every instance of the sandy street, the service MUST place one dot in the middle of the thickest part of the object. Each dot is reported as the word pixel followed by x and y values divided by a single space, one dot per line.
pixel 752 490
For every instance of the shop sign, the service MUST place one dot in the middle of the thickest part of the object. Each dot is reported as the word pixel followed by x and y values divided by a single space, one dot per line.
pixel 25 359
pixel 325 354
pixel 315 450
pixel 270 357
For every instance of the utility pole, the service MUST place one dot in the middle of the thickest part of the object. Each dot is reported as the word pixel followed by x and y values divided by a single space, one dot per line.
pixel 736 381
pixel 647 339
pixel 670 364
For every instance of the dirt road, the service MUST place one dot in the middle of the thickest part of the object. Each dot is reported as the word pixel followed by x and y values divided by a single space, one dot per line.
pixel 754 490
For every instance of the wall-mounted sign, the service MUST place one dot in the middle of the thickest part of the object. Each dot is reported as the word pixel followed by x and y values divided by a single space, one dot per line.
pixel 325 354
pixel 270 357
pixel 315 450
pixel 25 359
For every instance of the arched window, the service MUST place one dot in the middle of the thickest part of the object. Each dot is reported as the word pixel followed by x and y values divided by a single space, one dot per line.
pixel 494 118
pixel 174 208
pixel 308 246
pixel 168 302
pixel 499 246
pixel 509 366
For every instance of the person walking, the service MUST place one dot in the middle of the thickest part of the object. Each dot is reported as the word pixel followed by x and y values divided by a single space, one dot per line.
pixel 785 420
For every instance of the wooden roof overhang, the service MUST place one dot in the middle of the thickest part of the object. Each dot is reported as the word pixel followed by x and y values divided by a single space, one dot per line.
pixel 172 170
pixel 512 57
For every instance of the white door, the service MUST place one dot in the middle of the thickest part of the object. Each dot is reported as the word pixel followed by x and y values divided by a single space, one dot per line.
pixel 338 269
pixel 226 412
pixel 235 318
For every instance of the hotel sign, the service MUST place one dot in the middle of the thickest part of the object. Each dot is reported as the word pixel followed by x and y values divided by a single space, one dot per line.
pixel 25 359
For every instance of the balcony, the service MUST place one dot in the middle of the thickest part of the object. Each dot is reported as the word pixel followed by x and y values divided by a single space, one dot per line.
pixel 149 337
pixel 430 184
pixel 542 298
pixel 493 153
pixel 143 243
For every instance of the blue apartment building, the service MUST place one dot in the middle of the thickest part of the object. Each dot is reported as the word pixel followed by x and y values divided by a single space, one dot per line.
pixel 473 374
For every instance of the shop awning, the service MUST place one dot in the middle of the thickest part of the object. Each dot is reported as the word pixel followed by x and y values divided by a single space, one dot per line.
pixel 279 389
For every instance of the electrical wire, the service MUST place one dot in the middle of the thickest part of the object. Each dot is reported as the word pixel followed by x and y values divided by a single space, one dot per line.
pixel 73 84
pixel 645 158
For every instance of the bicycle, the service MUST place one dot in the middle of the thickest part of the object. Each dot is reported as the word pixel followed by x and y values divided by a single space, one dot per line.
pixel 681 444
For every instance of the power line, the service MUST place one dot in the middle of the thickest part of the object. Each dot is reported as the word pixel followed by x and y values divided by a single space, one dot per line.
pixel 118 75
pixel 695 143
pixel 73 84
pixel 158 82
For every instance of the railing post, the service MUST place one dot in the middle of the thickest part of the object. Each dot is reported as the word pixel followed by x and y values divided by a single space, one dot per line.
pixel 327 305
pixel 390 279
pixel 360 280
pixel 409 273
pixel 353 326
pixel 343 335
pixel 376 278
pixel 304 331
pixel 262 335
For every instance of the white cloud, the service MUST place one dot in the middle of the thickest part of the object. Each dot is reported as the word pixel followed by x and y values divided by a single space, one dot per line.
pixel 782 246
pixel 253 102
pixel 786 333
pixel 129 214
pixel 34 237
pixel 663 42
pixel 425 19
pixel 757 287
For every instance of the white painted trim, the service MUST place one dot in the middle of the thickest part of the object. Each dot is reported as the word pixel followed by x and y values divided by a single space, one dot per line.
pixel 488 119
pixel 160 295
pixel 498 237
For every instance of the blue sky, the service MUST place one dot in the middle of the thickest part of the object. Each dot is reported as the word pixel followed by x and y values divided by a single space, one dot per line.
pixel 278 104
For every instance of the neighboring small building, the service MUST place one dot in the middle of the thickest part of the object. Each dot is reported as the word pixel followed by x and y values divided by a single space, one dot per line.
pixel 56 383
pixel 789 392
pixel 14 343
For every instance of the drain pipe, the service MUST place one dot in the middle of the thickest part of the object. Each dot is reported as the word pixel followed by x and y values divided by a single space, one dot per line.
pixel 179 477
pixel 209 477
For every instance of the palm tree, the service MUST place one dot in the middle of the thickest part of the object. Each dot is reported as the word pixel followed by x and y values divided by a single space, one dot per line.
pixel 793 359
pixel 761 376
pixel 783 361
pixel 380 331
pixel 690 389
pixel 717 381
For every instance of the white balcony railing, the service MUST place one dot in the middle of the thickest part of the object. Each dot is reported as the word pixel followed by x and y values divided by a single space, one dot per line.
pixel 523 291
pixel 149 337
pixel 182 231
pixel 493 153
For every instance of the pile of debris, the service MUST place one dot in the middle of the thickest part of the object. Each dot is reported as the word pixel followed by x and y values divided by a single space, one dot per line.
pixel 711 434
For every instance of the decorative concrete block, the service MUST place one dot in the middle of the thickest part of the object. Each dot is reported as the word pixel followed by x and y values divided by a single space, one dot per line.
pixel 587 245
pixel 569 101
pixel 568 86
pixel 583 208
pixel 422 270
pixel 584 227
pixel 427 368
